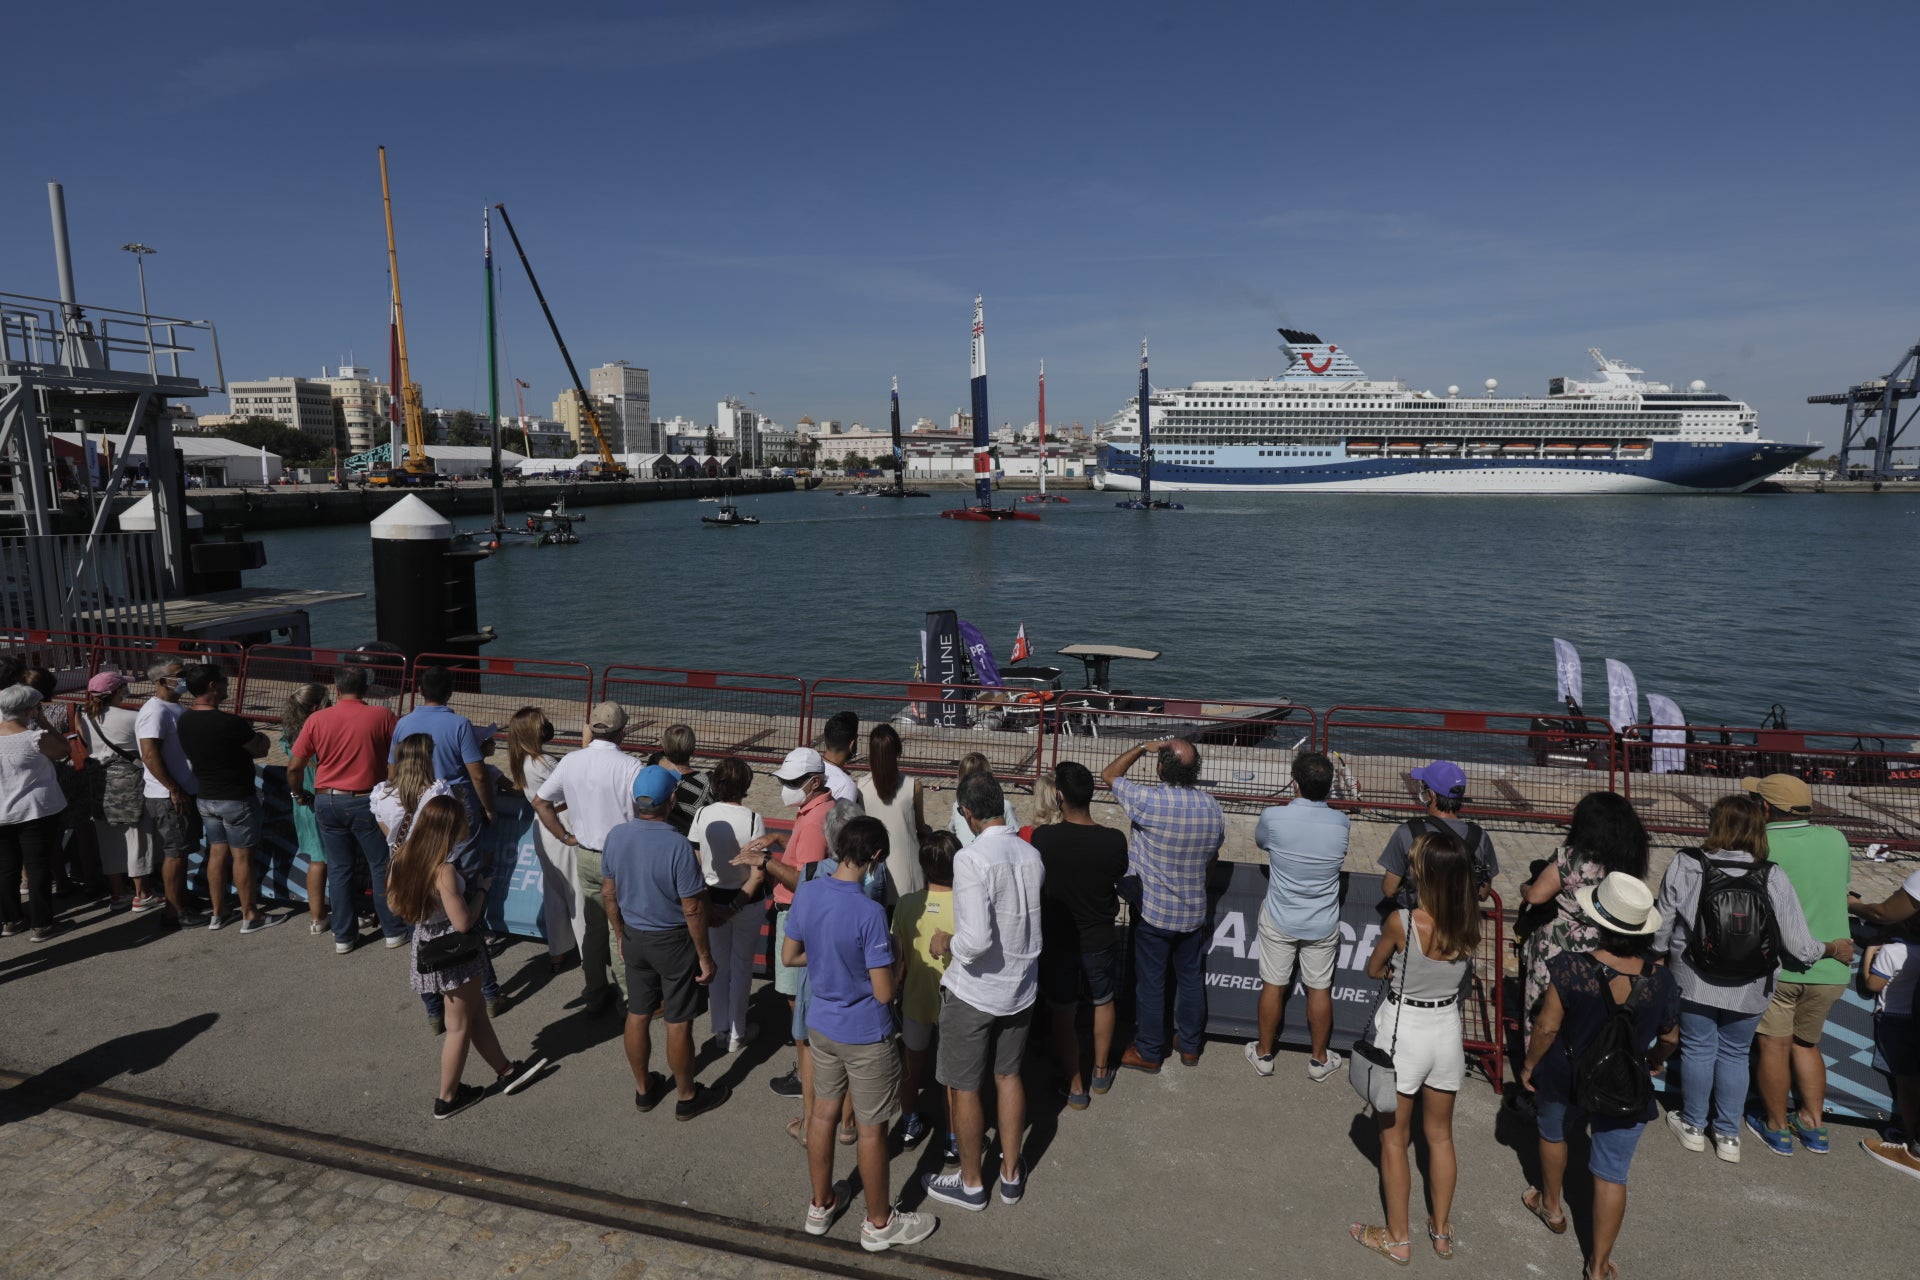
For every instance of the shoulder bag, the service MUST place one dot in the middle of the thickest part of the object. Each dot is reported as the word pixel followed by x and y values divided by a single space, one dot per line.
pixel 116 785
pixel 448 951
pixel 1369 1067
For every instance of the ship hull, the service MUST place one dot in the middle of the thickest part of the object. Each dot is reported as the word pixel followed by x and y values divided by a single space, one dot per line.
pixel 1672 468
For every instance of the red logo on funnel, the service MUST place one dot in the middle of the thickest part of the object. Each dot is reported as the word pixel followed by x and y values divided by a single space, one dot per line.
pixel 1306 358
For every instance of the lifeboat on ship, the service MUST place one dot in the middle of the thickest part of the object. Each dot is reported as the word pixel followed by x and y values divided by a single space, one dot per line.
pixel 1594 449
pixel 1482 448
pixel 1442 446
pixel 1636 448
pixel 1559 448
pixel 1404 447
pixel 1516 447
pixel 1363 446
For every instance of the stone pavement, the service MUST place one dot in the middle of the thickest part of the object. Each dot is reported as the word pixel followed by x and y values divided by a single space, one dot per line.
pixel 96 1199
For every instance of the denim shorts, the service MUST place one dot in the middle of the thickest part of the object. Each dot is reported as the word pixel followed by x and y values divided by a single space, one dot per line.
pixel 1611 1144
pixel 1072 976
pixel 235 823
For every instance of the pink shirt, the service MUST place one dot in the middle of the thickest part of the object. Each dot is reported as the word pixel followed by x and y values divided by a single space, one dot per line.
pixel 808 843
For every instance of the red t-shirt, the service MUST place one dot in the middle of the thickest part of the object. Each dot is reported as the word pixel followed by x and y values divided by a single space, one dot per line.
pixel 348 743
pixel 807 844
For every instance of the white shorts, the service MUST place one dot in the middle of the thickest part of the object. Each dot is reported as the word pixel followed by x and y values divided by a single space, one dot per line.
pixel 916 1035
pixel 1279 951
pixel 1429 1051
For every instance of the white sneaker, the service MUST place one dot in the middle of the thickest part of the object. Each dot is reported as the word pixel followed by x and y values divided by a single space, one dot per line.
pixel 1691 1138
pixel 342 948
pixel 901 1228
pixel 396 941
pixel 1261 1066
pixel 1727 1148
pixel 323 925
pixel 1319 1071
pixel 820 1218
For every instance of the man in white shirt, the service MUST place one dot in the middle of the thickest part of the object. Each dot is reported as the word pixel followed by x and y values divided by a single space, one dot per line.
pixel 988 992
pixel 595 786
pixel 839 744
pixel 169 788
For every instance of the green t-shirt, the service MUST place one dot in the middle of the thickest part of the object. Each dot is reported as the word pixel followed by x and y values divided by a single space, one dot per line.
pixel 1817 864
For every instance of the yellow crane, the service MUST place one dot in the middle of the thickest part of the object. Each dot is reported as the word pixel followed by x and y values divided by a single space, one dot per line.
pixel 606 467
pixel 417 470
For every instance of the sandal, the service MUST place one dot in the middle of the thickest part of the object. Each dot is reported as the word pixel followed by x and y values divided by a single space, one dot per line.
pixel 797 1130
pixel 1536 1205
pixel 849 1135
pixel 1375 1240
pixel 1442 1241
pixel 1613 1273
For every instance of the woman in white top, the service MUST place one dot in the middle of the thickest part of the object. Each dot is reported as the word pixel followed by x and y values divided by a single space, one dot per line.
pixel 973 762
pixel 895 799
pixel 32 810
pixel 113 765
pixel 735 911
pixel 563 912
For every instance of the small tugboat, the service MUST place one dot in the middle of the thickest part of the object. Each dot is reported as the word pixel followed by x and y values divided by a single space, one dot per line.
pixel 728 517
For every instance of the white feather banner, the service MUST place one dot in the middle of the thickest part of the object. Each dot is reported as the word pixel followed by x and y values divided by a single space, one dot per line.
pixel 1623 696
pixel 1669 726
pixel 1566 665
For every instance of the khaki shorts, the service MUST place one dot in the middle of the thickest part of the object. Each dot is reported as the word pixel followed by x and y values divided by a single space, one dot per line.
pixel 1800 1009
pixel 1279 951
pixel 871 1071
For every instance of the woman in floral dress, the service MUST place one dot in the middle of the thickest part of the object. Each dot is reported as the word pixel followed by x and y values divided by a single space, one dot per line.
pixel 1606 836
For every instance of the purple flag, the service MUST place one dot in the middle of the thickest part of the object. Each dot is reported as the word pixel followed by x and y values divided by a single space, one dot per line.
pixel 984 667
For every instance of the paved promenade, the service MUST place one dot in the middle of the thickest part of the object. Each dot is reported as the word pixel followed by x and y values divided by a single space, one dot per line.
pixel 1204 1170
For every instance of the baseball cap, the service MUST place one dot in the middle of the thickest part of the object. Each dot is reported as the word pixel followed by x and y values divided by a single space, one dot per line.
pixel 107 683
pixel 655 785
pixel 800 762
pixel 610 717
pixel 1443 778
pixel 1782 791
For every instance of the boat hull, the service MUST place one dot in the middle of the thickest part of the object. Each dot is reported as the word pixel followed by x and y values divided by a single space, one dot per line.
pixel 1670 468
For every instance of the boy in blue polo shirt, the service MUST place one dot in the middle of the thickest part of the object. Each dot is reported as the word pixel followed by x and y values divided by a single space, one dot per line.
pixel 840 936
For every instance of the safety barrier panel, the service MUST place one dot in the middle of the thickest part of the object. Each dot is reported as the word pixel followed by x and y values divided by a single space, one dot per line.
pixel 274 671
pixel 939 723
pixel 68 654
pixel 1517 766
pixel 1246 748
pixel 489 690
pixel 134 656
pixel 745 715
pixel 1866 786
pixel 1483 1005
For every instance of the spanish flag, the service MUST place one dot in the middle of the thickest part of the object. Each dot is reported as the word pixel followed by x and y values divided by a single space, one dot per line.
pixel 1020 650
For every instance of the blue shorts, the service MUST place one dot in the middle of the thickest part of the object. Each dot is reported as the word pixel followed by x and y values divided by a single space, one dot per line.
pixel 1896 1045
pixel 235 823
pixel 1611 1142
pixel 1068 977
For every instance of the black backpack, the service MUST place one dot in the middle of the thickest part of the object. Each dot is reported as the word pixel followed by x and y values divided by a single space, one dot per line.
pixel 1610 1079
pixel 1734 935
pixel 1421 825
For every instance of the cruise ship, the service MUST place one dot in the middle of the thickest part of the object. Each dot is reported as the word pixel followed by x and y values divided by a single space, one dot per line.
pixel 1323 425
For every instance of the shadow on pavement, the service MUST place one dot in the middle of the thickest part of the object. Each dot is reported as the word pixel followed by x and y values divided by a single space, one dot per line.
pixel 81 942
pixel 131 1054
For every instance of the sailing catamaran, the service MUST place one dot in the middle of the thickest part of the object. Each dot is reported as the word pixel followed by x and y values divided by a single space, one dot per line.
pixel 899 489
pixel 1043 495
pixel 983 508
pixel 1146 501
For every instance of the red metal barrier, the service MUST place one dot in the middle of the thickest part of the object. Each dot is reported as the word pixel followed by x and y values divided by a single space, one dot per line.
pixel 1246 748
pixel 1483 1008
pixel 1867 786
pixel 68 654
pixel 1516 767
pixel 746 715
pixel 134 656
pixel 939 724
pixel 489 690
pixel 274 671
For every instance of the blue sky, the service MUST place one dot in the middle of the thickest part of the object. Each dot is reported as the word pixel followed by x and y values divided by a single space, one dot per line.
pixel 801 199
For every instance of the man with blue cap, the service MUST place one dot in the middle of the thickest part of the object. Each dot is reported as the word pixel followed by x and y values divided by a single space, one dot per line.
pixel 656 894
pixel 1443 790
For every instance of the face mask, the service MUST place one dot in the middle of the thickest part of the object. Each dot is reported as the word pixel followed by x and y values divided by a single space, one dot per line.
pixel 180 687
pixel 792 797
pixel 546 732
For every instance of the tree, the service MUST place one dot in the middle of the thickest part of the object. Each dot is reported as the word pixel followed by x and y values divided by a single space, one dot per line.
pixel 464 428
pixel 296 448
pixel 854 462
pixel 713 443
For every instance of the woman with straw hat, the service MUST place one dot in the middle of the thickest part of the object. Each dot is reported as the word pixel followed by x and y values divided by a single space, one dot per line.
pixel 1584 989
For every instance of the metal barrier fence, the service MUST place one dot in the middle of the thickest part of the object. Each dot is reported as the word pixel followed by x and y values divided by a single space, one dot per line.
pixel 1863 785
pixel 134 656
pixel 746 715
pixel 1246 748
pixel 274 671
pixel 68 654
pixel 489 690
pixel 1515 767
pixel 1483 1006
pixel 939 724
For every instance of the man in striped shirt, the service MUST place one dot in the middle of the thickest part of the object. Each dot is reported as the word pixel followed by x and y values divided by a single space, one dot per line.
pixel 1177 833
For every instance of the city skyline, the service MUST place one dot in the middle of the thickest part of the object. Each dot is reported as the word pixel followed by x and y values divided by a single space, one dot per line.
pixel 800 201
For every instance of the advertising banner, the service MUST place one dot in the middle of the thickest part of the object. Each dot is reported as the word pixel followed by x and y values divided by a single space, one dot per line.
pixel 942 665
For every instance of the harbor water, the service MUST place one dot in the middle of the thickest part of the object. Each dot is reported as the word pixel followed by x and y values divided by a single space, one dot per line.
pixel 1727 605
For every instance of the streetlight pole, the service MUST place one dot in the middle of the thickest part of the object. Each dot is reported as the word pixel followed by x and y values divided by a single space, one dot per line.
pixel 140 252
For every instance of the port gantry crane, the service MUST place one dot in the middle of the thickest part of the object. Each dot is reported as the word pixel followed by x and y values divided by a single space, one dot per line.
pixel 606 467
pixel 417 470
pixel 1877 402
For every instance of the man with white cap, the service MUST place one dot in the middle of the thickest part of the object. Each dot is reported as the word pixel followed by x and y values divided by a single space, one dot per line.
pixel 1443 790
pixel 595 786
pixel 1580 1078
pixel 803 787
pixel 1817 863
